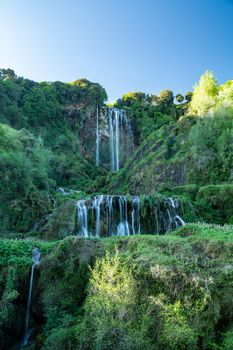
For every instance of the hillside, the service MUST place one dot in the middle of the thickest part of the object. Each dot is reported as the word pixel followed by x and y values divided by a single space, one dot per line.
pixel 116 220
pixel 152 292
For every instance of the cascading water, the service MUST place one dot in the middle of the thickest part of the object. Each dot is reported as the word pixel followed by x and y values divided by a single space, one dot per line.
pixel 96 206
pixel 97 137
pixel 123 226
pixel 115 215
pixel 106 215
pixel 82 218
pixel 35 261
pixel 173 211
pixel 136 215
pixel 120 136
pixel 109 215
pixel 118 121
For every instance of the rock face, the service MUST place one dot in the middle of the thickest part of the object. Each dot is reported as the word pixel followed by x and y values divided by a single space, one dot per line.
pixel 106 215
pixel 59 224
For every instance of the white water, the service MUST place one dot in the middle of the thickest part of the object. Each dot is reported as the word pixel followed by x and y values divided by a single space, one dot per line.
pixel 113 214
pixel 66 192
pixel 112 139
pixel 182 222
pixel 117 113
pixel 173 215
pixel 120 216
pixel 136 215
pixel 36 261
pixel 97 137
pixel 96 206
pixel 118 121
pixel 120 136
pixel 82 218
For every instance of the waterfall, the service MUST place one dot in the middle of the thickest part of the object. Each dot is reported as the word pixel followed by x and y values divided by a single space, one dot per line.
pixel 36 261
pixel 112 139
pixel 96 205
pixel 106 215
pixel 82 218
pixel 118 121
pixel 110 216
pixel 123 226
pixel 136 215
pixel 119 134
pixel 117 114
pixel 114 215
pixel 97 137
pixel 173 214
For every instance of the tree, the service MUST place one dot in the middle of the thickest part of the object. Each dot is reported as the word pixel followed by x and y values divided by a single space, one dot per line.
pixel 225 96
pixel 132 97
pixel 166 96
pixel 7 74
pixel 179 98
pixel 188 96
pixel 205 95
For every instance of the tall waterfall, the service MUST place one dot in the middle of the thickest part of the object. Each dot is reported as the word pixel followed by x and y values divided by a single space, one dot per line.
pixel 119 133
pixel 97 137
pixel 118 121
pixel 35 261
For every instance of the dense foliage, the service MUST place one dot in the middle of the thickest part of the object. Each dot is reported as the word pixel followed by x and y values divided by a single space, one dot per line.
pixel 24 177
pixel 132 293
pixel 44 153
pixel 152 292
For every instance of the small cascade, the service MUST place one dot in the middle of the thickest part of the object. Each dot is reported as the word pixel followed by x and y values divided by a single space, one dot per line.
pixel 136 215
pixel 173 214
pixel 123 226
pixel 109 215
pixel 66 192
pixel 82 218
pixel 105 216
pixel 35 261
pixel 114 125
pixel 96 206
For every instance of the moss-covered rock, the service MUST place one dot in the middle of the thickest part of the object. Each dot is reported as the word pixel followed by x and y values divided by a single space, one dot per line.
pixel 59 224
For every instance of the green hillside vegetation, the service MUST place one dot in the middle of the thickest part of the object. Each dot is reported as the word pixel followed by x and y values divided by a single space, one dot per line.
pixel 153 292
pixel 168 292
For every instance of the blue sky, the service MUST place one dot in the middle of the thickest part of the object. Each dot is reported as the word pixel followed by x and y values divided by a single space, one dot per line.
pixel 125 45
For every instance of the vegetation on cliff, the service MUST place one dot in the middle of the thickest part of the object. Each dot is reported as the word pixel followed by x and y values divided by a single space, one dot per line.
pixel 143 292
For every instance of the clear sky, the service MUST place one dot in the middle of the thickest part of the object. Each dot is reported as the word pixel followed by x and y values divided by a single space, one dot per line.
pixel 125 45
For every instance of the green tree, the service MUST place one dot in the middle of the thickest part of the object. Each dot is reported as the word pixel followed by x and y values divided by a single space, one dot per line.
pixel 179 98
pixel 166 96
pixel 110 309
pixel 225 95
pixel 205 95
pixel 188 96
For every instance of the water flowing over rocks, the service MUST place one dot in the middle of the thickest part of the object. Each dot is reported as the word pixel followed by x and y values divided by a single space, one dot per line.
pixel 109 215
